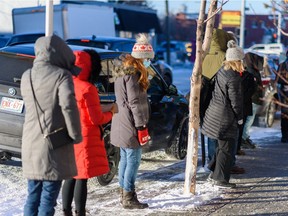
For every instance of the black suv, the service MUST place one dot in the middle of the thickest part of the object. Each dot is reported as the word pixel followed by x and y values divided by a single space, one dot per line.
pixel 123 45
pixel 168 125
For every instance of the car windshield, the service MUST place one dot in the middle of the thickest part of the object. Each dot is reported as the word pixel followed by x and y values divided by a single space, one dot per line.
pixel 17 39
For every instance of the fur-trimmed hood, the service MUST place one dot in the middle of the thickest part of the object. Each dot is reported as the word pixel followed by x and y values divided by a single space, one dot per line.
pixel 119 70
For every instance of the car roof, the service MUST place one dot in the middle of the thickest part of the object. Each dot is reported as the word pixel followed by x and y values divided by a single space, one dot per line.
pixel 28 49
pixel 102 38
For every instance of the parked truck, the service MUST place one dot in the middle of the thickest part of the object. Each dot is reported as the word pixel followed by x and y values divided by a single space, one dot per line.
pixel 69 20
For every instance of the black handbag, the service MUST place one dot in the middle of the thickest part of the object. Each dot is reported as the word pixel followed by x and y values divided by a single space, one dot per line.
pixel 56 138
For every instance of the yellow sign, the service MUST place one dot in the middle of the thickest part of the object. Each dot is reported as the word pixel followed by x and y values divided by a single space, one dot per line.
pixel 231 18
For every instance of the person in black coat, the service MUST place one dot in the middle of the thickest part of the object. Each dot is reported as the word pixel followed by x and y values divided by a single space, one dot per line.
pixel 225 114
pixel 283 84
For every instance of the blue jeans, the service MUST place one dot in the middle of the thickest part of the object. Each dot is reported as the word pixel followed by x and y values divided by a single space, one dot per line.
pixel 42 196
pixel 212 145
pixel 249 122
pixel 128 167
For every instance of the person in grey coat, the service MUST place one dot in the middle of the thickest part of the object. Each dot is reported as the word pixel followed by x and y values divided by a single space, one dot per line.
pixel 224 114
pixel 129 126
pixel 45 168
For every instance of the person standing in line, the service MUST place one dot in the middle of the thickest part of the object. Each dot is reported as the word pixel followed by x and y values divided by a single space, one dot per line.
pixel 45 168
pixel 225 114
pixel 211 64
pixel 129 127
pixel 254 64
pixel 90 154
pixel 283 83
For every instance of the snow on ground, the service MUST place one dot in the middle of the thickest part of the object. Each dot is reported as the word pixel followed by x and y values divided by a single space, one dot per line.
pixel 160 183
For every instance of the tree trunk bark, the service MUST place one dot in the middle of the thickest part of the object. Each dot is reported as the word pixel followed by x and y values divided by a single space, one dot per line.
pixel 192 149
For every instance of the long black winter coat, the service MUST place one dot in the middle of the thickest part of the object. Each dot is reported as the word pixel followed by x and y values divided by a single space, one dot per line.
pixel 225 108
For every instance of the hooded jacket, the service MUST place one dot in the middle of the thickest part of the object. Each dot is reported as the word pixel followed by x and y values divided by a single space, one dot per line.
pixel 214 60
pixel 91 158
pixel 254 64
pixel 133 107
pixel 54 91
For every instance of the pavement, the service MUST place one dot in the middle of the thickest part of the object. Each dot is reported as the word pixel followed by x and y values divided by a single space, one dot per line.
pixel 263 189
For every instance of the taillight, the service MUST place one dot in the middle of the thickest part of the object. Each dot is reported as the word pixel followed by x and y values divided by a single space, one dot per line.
pixel 85 40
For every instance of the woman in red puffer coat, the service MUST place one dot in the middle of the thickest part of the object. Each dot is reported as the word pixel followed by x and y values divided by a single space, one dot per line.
pixel 90 154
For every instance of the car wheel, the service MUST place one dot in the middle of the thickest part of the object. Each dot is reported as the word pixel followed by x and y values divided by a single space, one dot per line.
pixel 179 142
pixel 270 114
pixel 113 155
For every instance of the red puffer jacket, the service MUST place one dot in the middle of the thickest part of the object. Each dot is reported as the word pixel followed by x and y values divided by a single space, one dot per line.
pixel 90 154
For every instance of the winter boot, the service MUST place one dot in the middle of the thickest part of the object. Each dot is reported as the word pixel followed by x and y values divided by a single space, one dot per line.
pixel 130 201
pixel 67 212
pixel 80 213
pixel 121 196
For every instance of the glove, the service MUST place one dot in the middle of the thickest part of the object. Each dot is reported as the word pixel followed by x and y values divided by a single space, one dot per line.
pixel 240 122
pixel 143 136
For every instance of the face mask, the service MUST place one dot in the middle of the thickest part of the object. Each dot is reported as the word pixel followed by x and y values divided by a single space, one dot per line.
pixel 146 63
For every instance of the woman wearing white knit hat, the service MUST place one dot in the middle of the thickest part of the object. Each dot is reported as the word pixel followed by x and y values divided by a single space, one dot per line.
pixel 224 114
pixel 129 126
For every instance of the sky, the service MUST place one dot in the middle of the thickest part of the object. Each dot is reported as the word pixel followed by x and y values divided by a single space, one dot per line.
pixel 194 5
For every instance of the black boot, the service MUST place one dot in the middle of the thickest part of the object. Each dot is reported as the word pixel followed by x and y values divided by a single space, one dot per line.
pixel 67 212
pixel 80 213
pixel 130 201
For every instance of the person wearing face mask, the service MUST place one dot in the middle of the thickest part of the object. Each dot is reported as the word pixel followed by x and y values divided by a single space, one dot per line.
pixel 129 126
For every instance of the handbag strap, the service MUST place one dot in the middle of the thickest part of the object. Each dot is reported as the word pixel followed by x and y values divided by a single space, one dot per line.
pixel 36 101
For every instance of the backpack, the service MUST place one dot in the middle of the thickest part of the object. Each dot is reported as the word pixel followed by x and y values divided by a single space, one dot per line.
pixel 207 87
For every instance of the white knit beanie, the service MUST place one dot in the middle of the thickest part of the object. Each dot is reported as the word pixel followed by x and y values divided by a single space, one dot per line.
pixel 234 52
pixel 142 49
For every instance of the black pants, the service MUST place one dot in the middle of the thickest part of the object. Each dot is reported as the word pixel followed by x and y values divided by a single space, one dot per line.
pixel 77 189
pixel 222 160
pixel 284 125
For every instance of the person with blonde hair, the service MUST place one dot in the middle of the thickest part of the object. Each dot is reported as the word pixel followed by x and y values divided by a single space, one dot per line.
pixel 224 114
pixel 129 126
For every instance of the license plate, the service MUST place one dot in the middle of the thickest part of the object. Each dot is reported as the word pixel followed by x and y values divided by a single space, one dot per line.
pixel 12 105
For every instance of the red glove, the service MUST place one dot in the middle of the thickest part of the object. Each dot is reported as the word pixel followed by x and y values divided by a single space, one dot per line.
pixel 143 136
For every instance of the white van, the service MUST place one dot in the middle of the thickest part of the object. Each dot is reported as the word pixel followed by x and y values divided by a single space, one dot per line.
pixel 272 48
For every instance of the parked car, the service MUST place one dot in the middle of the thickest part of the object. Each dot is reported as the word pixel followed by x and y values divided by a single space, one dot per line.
pixel 124 45
pixel 272 48
pixel 23 38
pixel 176 47
pixel 168 125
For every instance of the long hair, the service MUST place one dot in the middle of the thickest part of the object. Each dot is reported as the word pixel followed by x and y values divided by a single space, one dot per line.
pixel 138 65
pixel 96 66
pixel 234 65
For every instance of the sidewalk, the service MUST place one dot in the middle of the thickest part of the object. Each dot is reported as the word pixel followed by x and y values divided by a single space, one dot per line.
pixel 263 189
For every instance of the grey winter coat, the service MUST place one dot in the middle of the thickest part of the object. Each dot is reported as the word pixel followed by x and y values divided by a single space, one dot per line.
pixel 54 90
pixel 225 108
pixel 133 108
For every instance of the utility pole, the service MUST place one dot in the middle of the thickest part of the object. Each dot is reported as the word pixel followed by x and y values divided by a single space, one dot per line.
pixel 49 18
pixel 279 27
pixel 167 33
pixel 242 25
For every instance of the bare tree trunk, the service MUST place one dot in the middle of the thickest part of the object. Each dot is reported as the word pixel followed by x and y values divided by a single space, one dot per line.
pixel 192 151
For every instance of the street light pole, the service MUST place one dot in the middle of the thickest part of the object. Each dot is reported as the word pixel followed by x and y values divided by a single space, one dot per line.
pixel 167 33
pixel 242 25
pixel 49 18
pixel 279 27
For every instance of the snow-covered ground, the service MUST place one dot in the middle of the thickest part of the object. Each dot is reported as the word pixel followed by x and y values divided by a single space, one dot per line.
pixel 160 183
